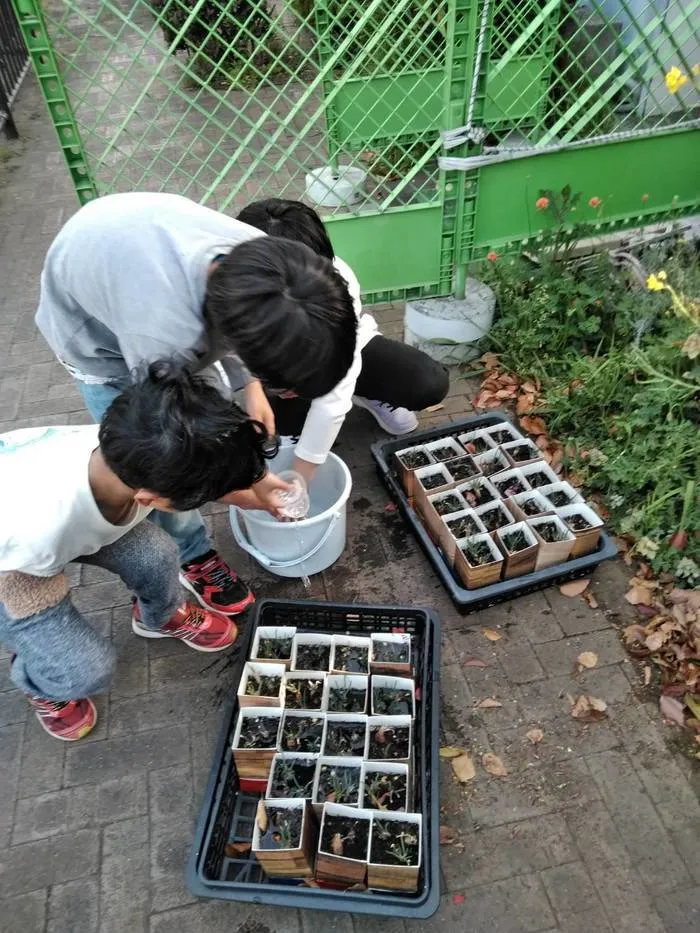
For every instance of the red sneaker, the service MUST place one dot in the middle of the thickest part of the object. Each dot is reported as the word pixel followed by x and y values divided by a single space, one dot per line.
pixel 68 720
pixel 215 585
pixel 197 628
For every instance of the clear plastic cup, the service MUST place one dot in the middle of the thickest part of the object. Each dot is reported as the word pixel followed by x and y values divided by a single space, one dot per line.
pixel 293 503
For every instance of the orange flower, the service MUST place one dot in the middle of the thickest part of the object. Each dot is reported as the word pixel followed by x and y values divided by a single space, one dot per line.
pixel 492 255
pixel 594 202
pixel 542 204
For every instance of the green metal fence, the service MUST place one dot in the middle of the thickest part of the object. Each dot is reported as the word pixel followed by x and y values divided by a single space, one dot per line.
pixel 453 112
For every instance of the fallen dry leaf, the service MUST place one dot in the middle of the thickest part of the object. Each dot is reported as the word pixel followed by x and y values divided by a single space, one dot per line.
pixel 463 768
pixel 492 634
pixel 438 407
pixel 448 835
pixel 587 659
pixel 533 425
pixel 655 640
pixel 574 588
pixel 490 360
pixel 474 662
pixel 337 844
pixel 494 765
pixel 672 710
pixel 639 594
pixel 590 599
pixel 261 817
pixel 235 849
pixel 647 675
pixel 525 404
pixel 589 709
pixel 451 751
pixel 535 736
pixel 489 703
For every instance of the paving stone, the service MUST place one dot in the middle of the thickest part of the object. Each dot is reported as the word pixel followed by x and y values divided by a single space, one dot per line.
pixel 75 855
pixel 164 707
pixel 42 761
pixel 683 827
pixel 41 816
pixel 501 852
pixel 13 707
pixel 170 794
pixel 638 823
pixel 25 913
pixel 101 596
pixel 34 865
pixel 169 848
pixel 10 762
pixel 574 615
pixel 560 657
pixel 124 890
pixel 518 905
pixel 547 699
pixel 115 799
pixel 123 835
pixel 225 917
pixel 73 907
pixel 574 899
pixel 563 738
pixel 494 802
pixel 680 911
pixel 117 757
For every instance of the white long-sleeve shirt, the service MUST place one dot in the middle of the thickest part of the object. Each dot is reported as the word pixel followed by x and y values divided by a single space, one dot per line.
pixel 326 415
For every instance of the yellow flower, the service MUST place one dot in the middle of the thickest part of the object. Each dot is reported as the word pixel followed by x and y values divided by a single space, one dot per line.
pixel 657 283
pixel 675 79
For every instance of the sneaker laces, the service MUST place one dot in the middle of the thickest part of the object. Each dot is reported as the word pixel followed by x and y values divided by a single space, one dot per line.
pixel 49 706
pixel 216 571
pixel 195 617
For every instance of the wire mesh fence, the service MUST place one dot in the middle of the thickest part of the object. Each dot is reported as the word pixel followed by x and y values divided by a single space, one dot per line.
pixel 14 62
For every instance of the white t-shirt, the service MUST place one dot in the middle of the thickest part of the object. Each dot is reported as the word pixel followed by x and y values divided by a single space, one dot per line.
pixel 326 414
pixel 48 515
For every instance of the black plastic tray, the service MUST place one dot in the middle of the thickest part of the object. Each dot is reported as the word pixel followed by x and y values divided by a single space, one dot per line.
pixel 465 599
pixel 228 815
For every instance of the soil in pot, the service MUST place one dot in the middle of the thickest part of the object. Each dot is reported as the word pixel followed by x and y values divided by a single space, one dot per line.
pixel 461 468
pixel 551 532
pixel 385 791
pixel 432 481
pixel 389 743
pixel 391 652
pixel 303 694
pixel 275 649
pixel 313 657
pixel 338 784
pixel 530 507
pixel 282 828
pixel 502 437
pixel 392 701
pixel 346 837
pixel 447 505
pixel 415 459
pixel 463 527
pixel 509 487
pixel 292 778
pixel 345 738
pixel 258 732
pixel 347 700
pixel 515 541
pixel 577 523
pixel 394 843
pixel 521 453
pixel 262 685
pixel 477 445
pixel 477 495
pixel 353 659
pixel 477 553
pixel 494 465
pixel 442 453
pixel 494 518
pixel 538 478
pixel 559 498
pixel 302 734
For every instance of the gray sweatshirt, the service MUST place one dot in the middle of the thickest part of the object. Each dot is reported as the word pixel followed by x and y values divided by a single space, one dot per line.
pixel 124 283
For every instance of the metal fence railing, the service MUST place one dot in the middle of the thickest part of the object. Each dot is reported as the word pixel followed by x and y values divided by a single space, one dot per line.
pixel 14 62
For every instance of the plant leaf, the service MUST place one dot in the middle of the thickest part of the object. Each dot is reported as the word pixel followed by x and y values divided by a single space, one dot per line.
pixel 489 703
pixel 451 751
pixel 463 768
pixel 535 736
pixel 261 817
pixel 574 588
pixel 647 675
pixel 474 662
pixel 693 704
pixel 492 634
pixel 494 765
pixel 588 659
pixel 589 709
pixel 672 710
pixel 448 835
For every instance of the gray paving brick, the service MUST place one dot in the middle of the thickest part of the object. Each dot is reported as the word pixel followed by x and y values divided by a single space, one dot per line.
pixel 683 827
pixel 518 905
pixel 638 823
pixel 223 917
pixel 33 865
pixel 170 846
pixel 560 657
pixel 574 615
pixel 41 816
pixel 574 899
pixel 13 707
pixel 117 799
pixel 25 913
pixel 164 707
pixel 124 894
pixel 680 911
pixel 494 802
pixel 73 907
pixel 546 699
pixel 114 758
pixel 337 922
pixel 101 596
pixel 11 744
pixel 124 835
pixel 170 793
pixel 564 738
pixel 75 855
pixel 42 761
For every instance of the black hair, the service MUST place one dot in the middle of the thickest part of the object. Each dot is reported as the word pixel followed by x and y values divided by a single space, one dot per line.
pixel 292 220
pixel 286 312
pixel 172 433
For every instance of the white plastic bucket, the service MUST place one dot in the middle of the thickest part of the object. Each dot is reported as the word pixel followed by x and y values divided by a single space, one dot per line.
pixel 329 187
pixel 296 549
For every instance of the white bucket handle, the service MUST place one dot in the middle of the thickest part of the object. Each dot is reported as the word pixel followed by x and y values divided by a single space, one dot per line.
pixel 243 542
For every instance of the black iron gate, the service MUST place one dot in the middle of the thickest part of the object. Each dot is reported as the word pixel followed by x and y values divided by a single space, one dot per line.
pixel 13 65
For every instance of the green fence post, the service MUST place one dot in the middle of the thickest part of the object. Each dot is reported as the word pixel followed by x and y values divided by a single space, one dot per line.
pixel 31 21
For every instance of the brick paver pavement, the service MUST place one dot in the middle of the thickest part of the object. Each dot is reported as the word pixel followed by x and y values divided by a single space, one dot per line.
pixel 595 829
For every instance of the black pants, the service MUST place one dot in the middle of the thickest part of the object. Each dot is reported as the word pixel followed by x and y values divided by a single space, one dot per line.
pixel 391 372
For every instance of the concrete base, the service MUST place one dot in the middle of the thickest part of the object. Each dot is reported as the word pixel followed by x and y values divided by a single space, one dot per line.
pixel 449 329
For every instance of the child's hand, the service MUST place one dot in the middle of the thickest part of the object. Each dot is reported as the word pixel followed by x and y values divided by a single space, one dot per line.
pixel 261 497
pixel 258 407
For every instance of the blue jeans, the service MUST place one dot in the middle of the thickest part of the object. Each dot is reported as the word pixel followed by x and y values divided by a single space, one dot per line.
pixel 59 655
pixel 187 528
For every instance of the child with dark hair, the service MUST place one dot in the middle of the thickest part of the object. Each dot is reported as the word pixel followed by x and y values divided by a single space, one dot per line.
pixel 389 379
pixel 133 278
pixel 80 493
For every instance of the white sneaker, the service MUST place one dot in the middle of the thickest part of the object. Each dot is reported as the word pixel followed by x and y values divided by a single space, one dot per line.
pixel 289 440
pixel 393 420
